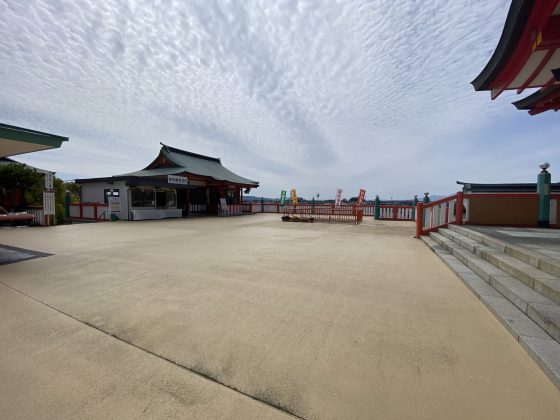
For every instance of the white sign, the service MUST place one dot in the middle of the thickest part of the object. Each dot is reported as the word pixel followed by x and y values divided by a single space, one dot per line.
pixel 114 205
pixel 223 204
pixel 174 179
pixel 49 180
pixel 338 196
pixel 48 203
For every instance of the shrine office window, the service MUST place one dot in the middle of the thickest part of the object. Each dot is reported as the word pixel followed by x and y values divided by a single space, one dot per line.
pixel 110 193
pixel 143 197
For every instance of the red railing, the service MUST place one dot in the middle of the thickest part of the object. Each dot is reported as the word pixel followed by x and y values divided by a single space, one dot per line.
pixel 327 212
pixel 97 212
pixel 458 209
pixel 387 212
pixel 438 214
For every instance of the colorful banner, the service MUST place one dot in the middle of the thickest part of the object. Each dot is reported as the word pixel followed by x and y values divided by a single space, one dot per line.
pixel 361 197
pixel 338 197
pixel 294 197
pixel 283 198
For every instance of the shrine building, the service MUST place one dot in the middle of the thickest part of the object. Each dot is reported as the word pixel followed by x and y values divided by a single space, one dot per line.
pixel 177 183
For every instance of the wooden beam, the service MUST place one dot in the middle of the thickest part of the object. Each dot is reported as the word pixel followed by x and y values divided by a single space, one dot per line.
pixel 536 72
pixel 550 35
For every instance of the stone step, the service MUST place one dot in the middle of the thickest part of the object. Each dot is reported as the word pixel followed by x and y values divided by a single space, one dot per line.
pixel 544 283
pixel 540 346
pixel 543 262
pixel 542 310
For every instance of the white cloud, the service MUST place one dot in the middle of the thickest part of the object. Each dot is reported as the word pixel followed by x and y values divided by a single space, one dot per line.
pixel 309 94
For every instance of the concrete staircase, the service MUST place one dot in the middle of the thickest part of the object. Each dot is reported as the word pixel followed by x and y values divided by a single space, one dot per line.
pixel 519 286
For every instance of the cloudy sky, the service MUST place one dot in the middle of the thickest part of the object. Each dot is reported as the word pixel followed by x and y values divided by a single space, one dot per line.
pixel 308 94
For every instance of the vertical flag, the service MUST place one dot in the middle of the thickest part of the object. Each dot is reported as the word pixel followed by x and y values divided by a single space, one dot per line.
pixel 294 197
pixel 338 197
pixel 283 198
pixel 361 196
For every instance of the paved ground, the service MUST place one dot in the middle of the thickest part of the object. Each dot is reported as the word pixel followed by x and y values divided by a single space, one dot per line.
pixel 249 317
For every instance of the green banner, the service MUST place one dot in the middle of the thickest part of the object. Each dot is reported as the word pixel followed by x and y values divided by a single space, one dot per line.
pixel 282 197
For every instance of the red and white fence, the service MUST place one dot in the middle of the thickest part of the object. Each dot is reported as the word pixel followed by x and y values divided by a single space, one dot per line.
pixel 96 212
pixel 232 209
pixel 387 212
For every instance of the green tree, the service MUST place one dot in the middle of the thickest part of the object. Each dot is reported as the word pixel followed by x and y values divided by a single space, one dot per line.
pixel 18 186
pixel 59 193
pixel 74 190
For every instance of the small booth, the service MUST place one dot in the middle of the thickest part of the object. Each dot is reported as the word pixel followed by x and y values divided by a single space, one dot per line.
pixel 177 183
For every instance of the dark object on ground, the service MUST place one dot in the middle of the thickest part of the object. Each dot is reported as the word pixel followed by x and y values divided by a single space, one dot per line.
pixel 293 218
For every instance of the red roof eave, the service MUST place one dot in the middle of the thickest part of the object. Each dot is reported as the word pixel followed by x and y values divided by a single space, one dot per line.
pixel 539 17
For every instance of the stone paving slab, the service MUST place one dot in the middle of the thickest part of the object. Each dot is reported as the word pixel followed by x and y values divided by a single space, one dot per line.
pixel 545 242
pixel 546 352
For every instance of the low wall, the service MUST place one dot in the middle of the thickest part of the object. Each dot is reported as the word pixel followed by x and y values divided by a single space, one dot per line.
pixel 506 210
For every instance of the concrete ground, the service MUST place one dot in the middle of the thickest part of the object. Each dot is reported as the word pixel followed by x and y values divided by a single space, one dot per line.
pixel 249 317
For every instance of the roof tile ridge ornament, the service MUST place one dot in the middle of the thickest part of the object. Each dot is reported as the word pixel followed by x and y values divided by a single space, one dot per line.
pixel 164 146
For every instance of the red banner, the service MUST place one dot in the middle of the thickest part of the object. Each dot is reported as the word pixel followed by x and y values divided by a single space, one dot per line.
pixel 361 197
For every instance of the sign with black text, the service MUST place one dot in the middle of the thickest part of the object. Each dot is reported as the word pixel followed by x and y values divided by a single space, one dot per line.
pixel 114 205
pixel 49 180
pixel 175 179
pixel 48 203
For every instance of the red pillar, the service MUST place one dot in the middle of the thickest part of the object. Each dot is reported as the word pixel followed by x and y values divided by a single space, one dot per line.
pixel 419 218
pixel 459 208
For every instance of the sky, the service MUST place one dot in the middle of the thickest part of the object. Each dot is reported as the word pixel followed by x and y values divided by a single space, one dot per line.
pixel 312 95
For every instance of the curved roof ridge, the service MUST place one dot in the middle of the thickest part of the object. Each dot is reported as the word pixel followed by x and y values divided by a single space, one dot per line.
pixel 517 16
pixel 187 153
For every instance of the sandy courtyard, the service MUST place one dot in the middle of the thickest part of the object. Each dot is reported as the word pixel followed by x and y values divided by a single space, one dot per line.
pixel 249 317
